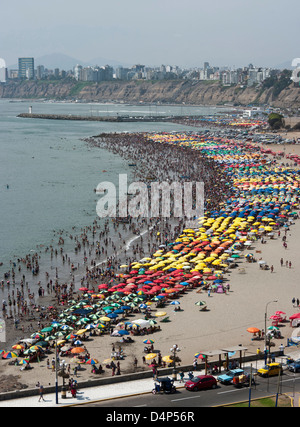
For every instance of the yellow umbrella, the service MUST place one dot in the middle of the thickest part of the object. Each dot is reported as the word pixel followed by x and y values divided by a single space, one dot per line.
pixel 167 359
pixel 105 319
pixel 150 356
pixel 81 331
pixel 160 313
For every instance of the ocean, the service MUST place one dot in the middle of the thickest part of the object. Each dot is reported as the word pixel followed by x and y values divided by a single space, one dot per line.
pixel 48 173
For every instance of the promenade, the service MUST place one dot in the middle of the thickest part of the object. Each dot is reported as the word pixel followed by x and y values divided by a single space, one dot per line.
pixel 106 393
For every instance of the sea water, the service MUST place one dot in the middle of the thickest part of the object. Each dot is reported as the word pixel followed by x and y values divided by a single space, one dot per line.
pixel 48 173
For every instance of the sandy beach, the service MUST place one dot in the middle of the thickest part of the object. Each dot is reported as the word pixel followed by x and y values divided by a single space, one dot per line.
pixel 224 324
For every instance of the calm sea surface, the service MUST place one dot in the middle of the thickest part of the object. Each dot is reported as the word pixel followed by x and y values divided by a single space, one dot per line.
pixel 48 175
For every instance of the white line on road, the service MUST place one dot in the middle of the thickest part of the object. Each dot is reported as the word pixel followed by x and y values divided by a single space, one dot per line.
pixel 228 391
pixel 185 398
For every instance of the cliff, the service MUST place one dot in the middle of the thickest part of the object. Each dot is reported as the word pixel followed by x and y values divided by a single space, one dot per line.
pixel 171 92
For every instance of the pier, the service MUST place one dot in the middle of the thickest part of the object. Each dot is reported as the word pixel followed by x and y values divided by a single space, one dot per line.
pixel 117 118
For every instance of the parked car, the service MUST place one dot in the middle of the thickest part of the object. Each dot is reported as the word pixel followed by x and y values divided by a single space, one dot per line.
pixel 229 375
pixel 270 370
pixel 201 382
pixel 294 366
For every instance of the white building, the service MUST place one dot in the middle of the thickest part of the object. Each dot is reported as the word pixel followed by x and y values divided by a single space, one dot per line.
pixel 3 71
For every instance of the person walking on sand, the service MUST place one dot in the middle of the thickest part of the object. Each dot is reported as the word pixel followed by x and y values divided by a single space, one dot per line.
pixel 41 389
pixel 272 268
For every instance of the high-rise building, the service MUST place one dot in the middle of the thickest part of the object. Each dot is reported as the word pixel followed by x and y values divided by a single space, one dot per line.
pixel 3 71
pixel 26 68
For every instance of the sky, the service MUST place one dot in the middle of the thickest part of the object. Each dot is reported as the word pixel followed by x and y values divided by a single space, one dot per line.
pixel 186 33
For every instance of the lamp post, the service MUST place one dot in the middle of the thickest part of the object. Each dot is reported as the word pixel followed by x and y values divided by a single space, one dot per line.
pixel 266 324
pixel 173 351
pixel 56 375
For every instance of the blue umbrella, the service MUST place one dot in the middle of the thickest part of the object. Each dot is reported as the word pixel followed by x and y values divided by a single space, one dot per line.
pixel 143 306
pixel 175 303
pixel 123 332
pixel 112 315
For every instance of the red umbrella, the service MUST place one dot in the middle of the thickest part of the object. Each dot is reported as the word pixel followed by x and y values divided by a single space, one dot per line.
pixel 83 289
pixel 295 316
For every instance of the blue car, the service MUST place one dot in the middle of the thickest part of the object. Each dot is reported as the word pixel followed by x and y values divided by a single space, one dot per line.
pixel 228 376
pixel 295 366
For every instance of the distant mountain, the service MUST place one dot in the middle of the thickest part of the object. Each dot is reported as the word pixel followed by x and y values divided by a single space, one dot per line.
pixel 65 62
pixel 57 60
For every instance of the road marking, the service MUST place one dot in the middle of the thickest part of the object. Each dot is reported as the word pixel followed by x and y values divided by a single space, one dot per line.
pixel 185 398
pixel 228 391
pixel 140 406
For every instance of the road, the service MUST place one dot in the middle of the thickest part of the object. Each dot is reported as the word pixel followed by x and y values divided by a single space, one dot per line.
pixel 223 395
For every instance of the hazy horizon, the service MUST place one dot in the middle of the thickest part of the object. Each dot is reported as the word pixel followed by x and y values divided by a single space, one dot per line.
pixel 187 34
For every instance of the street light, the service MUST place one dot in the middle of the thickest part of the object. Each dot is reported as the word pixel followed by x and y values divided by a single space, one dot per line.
pixel 266 324
pixel 173 351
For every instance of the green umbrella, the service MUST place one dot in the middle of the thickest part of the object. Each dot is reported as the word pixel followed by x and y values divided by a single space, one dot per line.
pixel 200 303
pixel 50 338
pixel 48 329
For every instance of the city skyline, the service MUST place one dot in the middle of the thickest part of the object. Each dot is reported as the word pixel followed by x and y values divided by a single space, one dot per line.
pixel 227 33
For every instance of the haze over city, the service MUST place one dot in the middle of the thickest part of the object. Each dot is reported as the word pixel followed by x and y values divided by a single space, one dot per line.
pixel 230 33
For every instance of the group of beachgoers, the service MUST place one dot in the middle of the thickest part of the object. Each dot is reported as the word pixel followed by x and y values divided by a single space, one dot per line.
pixel 248 195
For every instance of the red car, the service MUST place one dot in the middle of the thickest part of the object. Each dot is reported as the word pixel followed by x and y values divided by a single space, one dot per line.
pixel 201 382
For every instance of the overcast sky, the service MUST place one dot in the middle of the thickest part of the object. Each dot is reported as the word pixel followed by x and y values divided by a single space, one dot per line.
pixel 153 32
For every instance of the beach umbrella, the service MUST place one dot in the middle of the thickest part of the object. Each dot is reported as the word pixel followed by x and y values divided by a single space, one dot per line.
pixel 200 356
pixel 81 331
pixel 60 334
pixel 253 330
pixel 92 361
pixel 37 336
pixel 160 313
pixel 55 325
pixel 150 356
pixel 66 328
pixel 36 347
pixel 77 342
pixel 18 347
pixel 175 303
pixel 50 338
pixel 105 319
pixel 148 341
pixel 123 332
pixel 273 328
pixel 9 355
pixel 30 351
pixel 23 362
pixel 201 303
pixel 48 329
pixel 42 344
pixel 90 326
pixel 77 350
pixel 167 359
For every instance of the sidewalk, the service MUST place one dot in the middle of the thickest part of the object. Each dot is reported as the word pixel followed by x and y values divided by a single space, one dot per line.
pixel 111 391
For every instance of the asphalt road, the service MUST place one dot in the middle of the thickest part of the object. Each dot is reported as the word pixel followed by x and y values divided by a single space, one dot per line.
pixel 222 395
